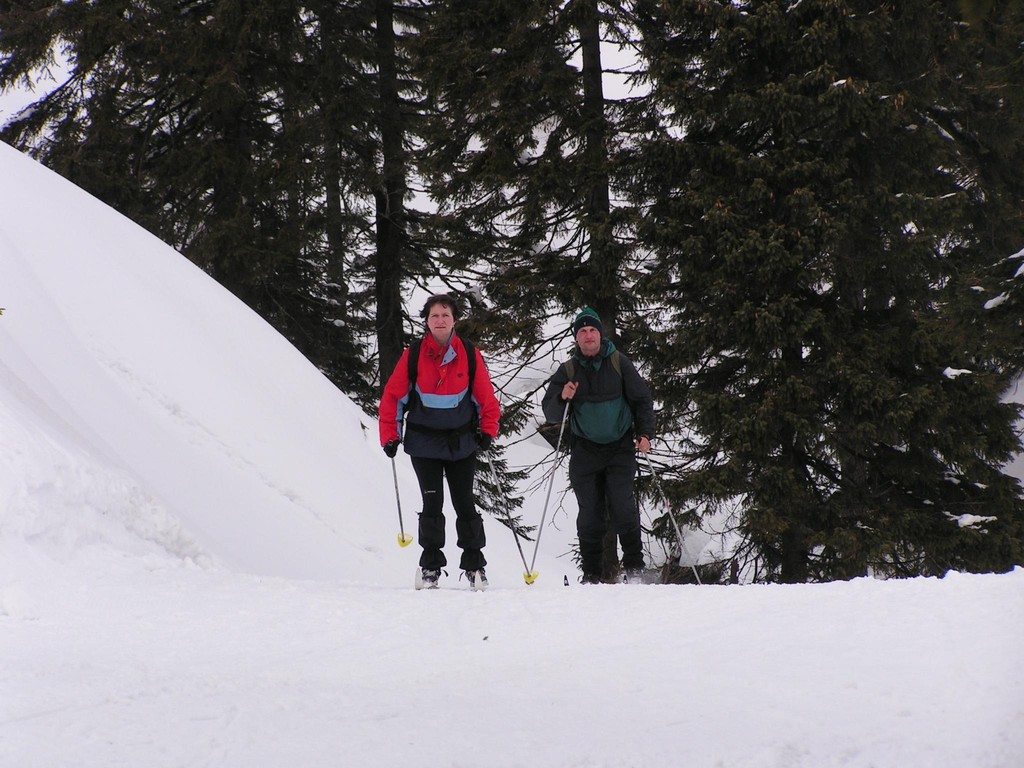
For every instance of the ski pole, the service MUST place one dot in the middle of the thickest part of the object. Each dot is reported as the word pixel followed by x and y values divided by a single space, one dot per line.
pixel 531 575
pixel 671 515
pixel 404 540
pixel 511 525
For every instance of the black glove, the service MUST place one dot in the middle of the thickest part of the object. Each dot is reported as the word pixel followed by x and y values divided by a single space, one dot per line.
pixel 484 441
pixel 391 448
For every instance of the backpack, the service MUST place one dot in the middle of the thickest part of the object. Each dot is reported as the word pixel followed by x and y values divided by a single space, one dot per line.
pixel 550 430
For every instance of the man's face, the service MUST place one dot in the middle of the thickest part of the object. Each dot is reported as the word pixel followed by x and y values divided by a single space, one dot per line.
pixel 589 340
pixel 440 321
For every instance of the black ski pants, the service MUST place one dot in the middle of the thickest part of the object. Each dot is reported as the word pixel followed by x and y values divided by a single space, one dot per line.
pixel 602 479
pixel 469 526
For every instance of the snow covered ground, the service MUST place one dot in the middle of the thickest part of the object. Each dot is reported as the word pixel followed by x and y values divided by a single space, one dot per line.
pixel 199 567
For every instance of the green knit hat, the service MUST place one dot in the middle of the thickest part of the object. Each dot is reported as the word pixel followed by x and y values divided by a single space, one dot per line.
pixel 585 318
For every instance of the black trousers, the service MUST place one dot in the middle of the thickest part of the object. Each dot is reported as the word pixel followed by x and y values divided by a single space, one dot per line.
pixel 602 479
pixel 469 526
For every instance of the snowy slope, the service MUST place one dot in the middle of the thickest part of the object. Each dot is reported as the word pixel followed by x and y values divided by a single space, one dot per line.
pixel 198 567
pixel 142 373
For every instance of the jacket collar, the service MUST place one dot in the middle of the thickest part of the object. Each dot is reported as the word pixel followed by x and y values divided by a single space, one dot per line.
pixel 437 353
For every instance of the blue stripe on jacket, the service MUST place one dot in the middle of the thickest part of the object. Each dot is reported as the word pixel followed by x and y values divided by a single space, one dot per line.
pixel 441 401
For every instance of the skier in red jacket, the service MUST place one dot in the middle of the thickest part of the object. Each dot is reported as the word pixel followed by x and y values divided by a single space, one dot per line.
pixel 447 418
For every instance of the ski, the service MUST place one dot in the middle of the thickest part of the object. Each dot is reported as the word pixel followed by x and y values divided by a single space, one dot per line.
pixel 428 582
pixel 631 578
pixel 477 579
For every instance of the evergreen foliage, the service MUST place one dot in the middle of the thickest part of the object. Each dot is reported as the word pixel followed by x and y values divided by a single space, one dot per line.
pixel 207 123
pixel 822 195
pixel 519 158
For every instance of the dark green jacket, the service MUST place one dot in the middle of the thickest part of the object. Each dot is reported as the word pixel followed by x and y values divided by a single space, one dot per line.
pixel 609 402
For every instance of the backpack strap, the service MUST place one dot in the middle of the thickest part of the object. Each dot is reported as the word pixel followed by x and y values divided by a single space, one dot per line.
pixel 471 357
pixel 414 362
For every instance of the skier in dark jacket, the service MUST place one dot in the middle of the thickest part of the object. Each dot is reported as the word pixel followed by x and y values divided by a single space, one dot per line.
pixel 447 417
pixel 611 417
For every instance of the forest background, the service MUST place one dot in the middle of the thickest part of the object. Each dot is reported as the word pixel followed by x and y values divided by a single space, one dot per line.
pixel 803 220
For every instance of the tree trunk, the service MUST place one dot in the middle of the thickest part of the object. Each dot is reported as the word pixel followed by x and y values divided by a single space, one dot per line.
pixel 334 228
pixel 601 286
pixel 390 199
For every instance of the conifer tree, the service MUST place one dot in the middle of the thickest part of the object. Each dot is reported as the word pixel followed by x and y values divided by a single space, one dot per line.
pixel 816 194
pixel 390 193
pixel 519 158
